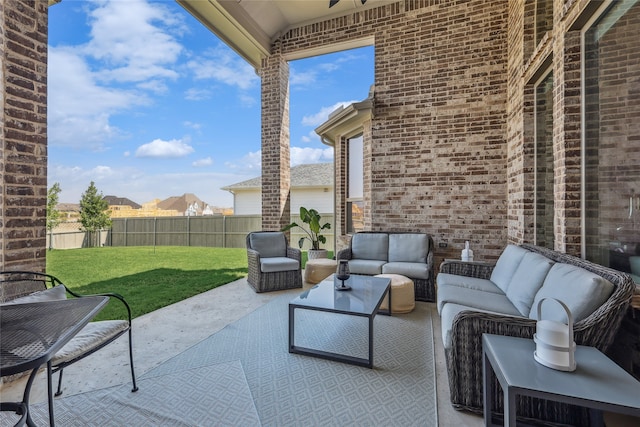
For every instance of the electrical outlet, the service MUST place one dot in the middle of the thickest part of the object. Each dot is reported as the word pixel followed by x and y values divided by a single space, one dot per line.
pixel 442 245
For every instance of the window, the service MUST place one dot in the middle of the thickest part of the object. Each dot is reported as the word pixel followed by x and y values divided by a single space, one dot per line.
pixel 544 200
pixel 355 186
pixel 611 144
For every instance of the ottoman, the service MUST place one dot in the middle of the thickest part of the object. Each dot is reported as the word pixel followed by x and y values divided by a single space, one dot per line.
pixel 402 294
pixel 316 270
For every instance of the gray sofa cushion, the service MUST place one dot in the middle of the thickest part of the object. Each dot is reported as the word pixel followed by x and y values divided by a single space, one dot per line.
pixel 498 303
pixel 581 290
pixel 92 336
pixel 507 265
pixel 416 270
pixel 366 266
pixel 371 246
pixel 275 264
pixel 486 285
pixel 408 247
pixel 269 244
pixel 527 280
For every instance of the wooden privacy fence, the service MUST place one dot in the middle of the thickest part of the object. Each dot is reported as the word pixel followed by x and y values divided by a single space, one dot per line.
pixel 227 231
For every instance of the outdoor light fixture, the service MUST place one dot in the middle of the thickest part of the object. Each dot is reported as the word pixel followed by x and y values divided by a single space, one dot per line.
pixel 555 347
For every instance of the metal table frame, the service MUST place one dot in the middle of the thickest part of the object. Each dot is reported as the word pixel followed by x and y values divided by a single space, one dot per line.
pixel 597 383
pixel 32 334
pixel 376 288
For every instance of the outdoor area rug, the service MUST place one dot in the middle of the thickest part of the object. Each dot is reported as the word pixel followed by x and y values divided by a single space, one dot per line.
pixel 297 390
pixel 214 395
pixel 243 375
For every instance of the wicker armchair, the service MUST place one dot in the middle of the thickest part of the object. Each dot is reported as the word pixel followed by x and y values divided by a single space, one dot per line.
pixel 26 286
pixel 464 358
pixel 273 264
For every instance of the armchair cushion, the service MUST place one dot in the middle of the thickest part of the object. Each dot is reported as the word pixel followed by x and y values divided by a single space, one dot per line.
pixel 269 244
pixel 581 290
pixel 370 246
pixel 52 294
pixel 91 337
pixel 408 247
pixel 276 264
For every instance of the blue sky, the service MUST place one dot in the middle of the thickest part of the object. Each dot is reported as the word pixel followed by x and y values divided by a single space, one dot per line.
pixel 147 103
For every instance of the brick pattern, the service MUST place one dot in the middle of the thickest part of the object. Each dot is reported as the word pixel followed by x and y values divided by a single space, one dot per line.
pixel 23 41
pixel 435 159
pixel 276 172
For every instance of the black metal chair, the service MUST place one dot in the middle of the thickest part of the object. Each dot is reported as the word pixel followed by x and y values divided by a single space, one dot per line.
pixel 26 286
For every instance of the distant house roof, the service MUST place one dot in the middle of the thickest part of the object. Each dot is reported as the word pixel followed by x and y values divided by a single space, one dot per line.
pixel 309 175
pixel 182 203
pixel 121 201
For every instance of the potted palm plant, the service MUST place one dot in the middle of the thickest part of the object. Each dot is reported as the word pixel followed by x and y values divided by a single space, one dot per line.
pixel 311 217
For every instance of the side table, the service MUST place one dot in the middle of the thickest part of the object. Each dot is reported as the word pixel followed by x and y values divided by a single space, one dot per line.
pixel 597 383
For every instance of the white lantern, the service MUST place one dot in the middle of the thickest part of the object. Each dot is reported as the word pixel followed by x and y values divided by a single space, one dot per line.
pixel 555 347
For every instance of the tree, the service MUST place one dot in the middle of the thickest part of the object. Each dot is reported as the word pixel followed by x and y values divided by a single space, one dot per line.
pixel 94 210
pixel 54 218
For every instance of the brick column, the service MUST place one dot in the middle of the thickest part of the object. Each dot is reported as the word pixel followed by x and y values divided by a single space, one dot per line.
pixel 23 128
pixel 276 193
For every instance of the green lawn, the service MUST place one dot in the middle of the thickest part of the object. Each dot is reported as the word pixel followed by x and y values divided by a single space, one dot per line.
pixel 149 278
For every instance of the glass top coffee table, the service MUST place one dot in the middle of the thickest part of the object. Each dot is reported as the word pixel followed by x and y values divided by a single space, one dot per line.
pixel 362 300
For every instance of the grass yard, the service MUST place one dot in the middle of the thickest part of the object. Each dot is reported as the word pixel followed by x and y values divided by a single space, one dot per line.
pixel 148 278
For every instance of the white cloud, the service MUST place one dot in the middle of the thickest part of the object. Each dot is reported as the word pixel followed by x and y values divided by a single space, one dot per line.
pixel 224 66
pixel 197 94
pixel 249 162
pixel 300 156
pixel 134 37
pixel 164 149
pixel 322 115
pixel 207 161
pixel 297 78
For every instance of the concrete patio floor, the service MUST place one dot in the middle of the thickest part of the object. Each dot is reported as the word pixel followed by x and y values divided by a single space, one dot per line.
pixel 164 333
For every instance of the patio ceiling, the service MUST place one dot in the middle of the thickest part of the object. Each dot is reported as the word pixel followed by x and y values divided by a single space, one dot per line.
pixel 250 26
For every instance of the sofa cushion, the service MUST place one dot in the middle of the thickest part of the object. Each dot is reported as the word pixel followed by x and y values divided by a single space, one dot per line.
pixel 52 294
pixel 527 280
pixel 486 285
pixel 449 313
pixel 269 244
pixel 275 264
pixel 368 267
pixel 408 247
pixel 416 270
pixel 476 299
pixel 582 291
pixel 507 265
pixel 91 337
pixel 374 246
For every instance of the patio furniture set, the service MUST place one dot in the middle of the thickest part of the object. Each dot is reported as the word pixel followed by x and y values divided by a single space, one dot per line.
pixel 478 298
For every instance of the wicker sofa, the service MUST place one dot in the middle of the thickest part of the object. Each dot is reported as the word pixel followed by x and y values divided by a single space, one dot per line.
pixel 408 254
pixel 472 301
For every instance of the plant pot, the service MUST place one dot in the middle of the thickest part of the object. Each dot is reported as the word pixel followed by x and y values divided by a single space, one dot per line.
pixel 317 253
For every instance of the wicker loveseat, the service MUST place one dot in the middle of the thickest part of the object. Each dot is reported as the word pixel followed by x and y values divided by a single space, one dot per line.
pixel 408 254
pixel 468 313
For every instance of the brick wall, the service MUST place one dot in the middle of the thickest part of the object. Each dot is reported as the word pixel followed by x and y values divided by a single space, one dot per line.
pixel 436 158
pixel 23 165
